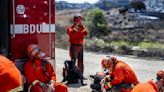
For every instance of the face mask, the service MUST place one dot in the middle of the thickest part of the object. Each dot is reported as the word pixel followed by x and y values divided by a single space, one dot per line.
pixel 40 55
pixel 77 20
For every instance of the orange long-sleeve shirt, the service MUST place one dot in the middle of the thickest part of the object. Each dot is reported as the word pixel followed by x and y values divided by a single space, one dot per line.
pixel 10 76
pixel 34 71
pixel 145 87
pixel 122 73
pixel 76 37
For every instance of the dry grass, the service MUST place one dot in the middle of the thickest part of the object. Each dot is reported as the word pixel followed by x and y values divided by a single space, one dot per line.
pixel 63 16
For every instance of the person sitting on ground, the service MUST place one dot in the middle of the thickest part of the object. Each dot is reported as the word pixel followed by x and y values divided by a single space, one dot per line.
pixel 121 77
pixel 39 73
pixel 151 86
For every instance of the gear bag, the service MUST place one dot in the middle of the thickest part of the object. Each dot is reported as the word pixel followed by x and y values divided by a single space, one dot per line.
pixel 71 73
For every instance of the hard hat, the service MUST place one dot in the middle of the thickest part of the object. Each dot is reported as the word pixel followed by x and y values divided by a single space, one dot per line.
pixel 77 18
pixel 113 59
pixel 105 59
pixel 33 50
pixel 160 74
pixel 110 59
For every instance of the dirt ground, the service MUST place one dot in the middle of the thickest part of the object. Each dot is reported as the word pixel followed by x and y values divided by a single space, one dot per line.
pixel 144 69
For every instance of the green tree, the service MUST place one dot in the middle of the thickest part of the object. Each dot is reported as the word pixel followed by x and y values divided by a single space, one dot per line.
pixel 97 23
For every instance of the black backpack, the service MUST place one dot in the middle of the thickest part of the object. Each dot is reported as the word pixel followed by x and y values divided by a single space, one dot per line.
pixel 71 73
pixel 95 86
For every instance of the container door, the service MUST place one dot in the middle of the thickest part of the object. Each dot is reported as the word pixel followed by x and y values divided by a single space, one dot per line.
pixel 32 22
pixel 4 27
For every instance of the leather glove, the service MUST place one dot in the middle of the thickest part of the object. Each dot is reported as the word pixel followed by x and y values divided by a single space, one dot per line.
pixel 51 87
pixel 107 85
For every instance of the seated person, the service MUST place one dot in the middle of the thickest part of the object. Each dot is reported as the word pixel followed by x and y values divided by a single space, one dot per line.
pixel 39 73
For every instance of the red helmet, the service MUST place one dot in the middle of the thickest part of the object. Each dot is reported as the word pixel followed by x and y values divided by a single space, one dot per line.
pixel 105 59
pixel 106 62
pixel 160 74
pixel 113 59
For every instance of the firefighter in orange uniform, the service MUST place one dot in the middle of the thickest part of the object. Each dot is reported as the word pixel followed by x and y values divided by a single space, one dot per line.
pixel 121 77
pixel 76 33
pixel 151 86
pixel 10 76
pixel 39 73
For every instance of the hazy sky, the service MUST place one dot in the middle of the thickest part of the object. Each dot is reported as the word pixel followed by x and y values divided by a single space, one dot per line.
pixel 79 1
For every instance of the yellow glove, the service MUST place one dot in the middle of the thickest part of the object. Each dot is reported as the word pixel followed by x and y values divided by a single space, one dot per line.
pixel 107 85
pixel 108 78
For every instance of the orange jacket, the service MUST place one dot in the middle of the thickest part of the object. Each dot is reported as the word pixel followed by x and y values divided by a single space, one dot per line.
pixel 34 71
pixel 145 87
pixel 122 73
pixel 10 76
pixel 76 37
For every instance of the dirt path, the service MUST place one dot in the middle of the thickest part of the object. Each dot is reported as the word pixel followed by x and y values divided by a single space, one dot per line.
pixel 145 69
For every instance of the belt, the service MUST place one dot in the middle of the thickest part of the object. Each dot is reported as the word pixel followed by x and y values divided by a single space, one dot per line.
pixel 122 85
pixel 17 89
pixel 76 44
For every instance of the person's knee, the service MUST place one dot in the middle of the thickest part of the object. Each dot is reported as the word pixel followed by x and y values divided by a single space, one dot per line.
pixel 59 87
pixel 36 88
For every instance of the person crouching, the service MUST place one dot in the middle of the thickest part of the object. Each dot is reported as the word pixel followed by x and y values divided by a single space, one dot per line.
pixel 121 77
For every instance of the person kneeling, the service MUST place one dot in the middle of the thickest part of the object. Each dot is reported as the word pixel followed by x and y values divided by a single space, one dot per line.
pixel 121 77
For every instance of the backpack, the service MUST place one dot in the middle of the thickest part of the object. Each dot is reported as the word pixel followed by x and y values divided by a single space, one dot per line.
pixel 96 86
pixel 71 73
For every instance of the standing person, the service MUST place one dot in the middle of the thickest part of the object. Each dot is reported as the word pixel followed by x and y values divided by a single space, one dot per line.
pixel 10 76
pixel 121 76
pixel 39 73
pixel 151 86
pixel 76 33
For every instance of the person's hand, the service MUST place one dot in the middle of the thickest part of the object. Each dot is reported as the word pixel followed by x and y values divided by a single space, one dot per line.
pixel 107 86
pixel 108 78
pixel 51 87
pixel 84 29
pixel 102 82
pixel 105 79
pixel 75 29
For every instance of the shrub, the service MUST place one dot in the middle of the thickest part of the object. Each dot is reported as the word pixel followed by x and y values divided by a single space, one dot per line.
pixel 138 5
pixel 96 23
pixel 151 46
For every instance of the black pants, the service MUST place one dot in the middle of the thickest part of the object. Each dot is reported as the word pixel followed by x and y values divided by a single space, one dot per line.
pixel 76 53
pixel 119 87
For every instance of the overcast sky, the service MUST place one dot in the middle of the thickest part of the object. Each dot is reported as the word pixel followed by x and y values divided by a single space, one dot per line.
pixel 79 1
